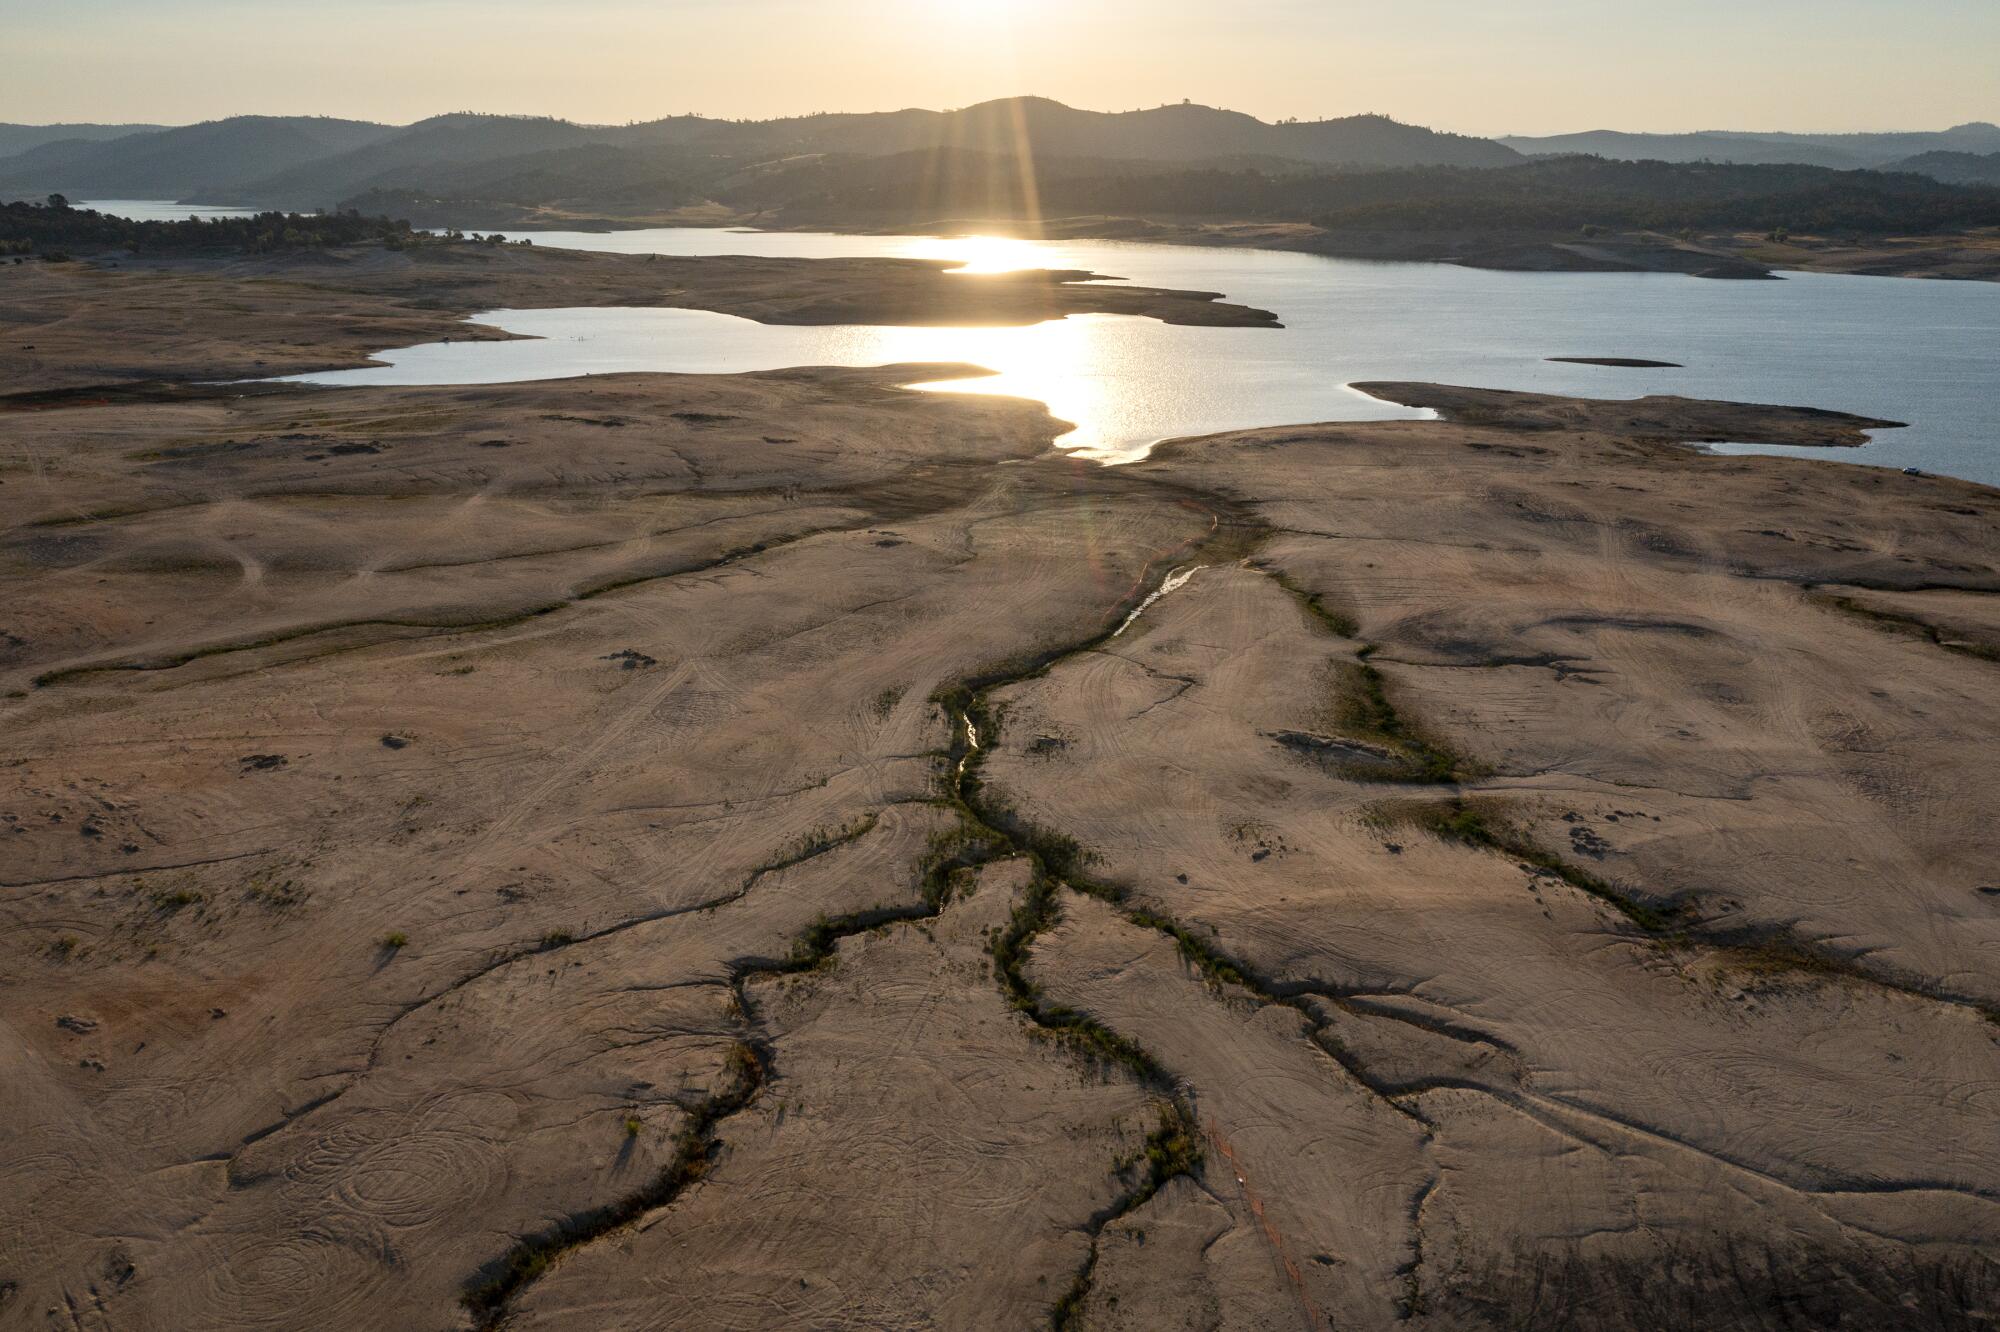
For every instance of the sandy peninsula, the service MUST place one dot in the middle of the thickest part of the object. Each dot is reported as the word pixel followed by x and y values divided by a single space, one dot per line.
pixel 78 324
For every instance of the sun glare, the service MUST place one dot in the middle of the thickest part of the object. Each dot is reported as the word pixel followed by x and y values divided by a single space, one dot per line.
pixel 973 20
pixel 974 11
pixel 982 254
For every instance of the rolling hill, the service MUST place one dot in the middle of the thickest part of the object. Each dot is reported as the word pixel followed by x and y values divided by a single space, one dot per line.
pixel 204 162
pixel 20 138
pixel 1844 151
pixel 307 163
pixel 1954 168
pixel 970 161
pixel 1036 126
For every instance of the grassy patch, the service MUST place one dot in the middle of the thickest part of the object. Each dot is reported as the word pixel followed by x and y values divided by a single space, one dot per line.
pixel 440 626
pixel 1337 622
pixel 99 515
pixel 167 901
pixel 1774 957
pixel 1760 961
pixel 1363 711
pixel 1217 968
pixel 822 840
pixel 1172 1149
pixel 1896 623
pixel 1053 859
pixel 1472 823
pixel 1067 1314
pixel 269 891
pixel 694 1154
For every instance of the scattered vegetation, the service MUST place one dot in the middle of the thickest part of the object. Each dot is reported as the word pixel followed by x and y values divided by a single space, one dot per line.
pixel 395 939
pixel 1336 622
pixel 1566 197
pixel 814 947
pixel 1772 957
pixel 983 834
pixel 694 1153
pixel 1363 711
pixel 1758 953
pixel 1472 823
pixel 822 840
pixel 1218 969
pixel 1760 958
pixel 1172 1149
pixel 269 891
pixel 169 900
pixel 1894 622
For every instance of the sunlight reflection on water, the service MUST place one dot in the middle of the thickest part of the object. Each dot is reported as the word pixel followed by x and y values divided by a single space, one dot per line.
pixel 1917 351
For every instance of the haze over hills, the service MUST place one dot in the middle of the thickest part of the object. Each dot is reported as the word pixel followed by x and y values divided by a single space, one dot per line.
pixel 1845 151
pixel 20 138
pixel 320 162
pixel 190 161
pixel 300 162
pixel 1954 168
pixel 1023 158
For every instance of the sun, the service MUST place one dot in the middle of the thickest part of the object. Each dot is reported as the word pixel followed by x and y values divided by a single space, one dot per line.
pixel 977 16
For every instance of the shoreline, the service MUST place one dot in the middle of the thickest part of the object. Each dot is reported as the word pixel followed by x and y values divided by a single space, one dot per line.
pixel 1739 256
pixel 377 301
pixel 331 310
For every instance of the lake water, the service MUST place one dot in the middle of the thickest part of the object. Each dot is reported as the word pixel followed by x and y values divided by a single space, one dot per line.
pixel 1924 352
pixel 158 210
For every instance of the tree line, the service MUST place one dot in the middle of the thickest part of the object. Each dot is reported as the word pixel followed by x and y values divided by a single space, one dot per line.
pixel 1560 194
pixel 54 228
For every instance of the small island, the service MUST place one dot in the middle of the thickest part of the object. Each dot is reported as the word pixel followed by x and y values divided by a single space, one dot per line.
pixel 1618 362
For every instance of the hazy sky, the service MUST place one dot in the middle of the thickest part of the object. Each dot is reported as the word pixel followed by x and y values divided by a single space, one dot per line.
pixel 1479 66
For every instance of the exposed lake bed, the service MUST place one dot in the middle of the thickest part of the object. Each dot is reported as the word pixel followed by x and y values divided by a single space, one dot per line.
pixel 626 736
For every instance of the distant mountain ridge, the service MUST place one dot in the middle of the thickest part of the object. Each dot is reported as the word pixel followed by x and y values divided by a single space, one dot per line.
pixel 1954 168
pixel 1843 151
pixel 521 164
pixel 305 162
pixel 203 162
pixel 20 138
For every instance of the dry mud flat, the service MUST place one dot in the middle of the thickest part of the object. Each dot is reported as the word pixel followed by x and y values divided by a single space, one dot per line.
pixel 517 855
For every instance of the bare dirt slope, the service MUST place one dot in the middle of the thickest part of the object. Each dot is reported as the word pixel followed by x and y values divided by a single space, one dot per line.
pixel 680 852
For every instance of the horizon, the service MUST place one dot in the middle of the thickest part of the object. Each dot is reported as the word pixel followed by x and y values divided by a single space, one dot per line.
pixel 1556 67
pixel 587 123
